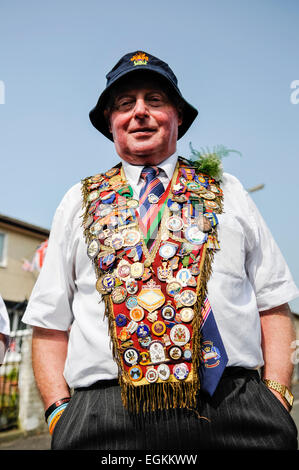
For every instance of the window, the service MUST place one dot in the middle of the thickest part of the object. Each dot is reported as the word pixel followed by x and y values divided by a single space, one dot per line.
pixel 3 249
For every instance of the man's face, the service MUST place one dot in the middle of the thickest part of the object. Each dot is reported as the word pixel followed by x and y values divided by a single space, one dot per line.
pixel 144 123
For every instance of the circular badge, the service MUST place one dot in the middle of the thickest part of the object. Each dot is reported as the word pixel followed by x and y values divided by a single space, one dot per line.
pixel 121 320
pixel 99 286
pixel 158 328
pixel 93 248
pixel 145 342
pixel 201 179
pixel 187 314
pixel 175 353
pixel 151 375
pixel 168 250
pixel 132 203
pixel 131 356
pixel 183 276
pixel 188 298
pixel 131 302
pixel 131 286
pixel 173 206
pixel 118 295
pixel 181 371
pixel 208 195
pixel 174 223
pixel 144 358
pixel 168 312
pixel 163 371
pixel 108 281
pixel 211 204
pixel 93 195
pixel 137 270
pixel 203 223
pixel 179 335
pixel 131 237
pixel 117 241
pixel 194 269
pixel 194 235
pixel 215 189
pixel 173 288
pixel 187 354
pixel 123 270
pixel 153 198
pixel 124 335
pixel 143 331
pixel 103 210
pixel 193 186
pixel 135 372
pixel 137 313
pixel 96 228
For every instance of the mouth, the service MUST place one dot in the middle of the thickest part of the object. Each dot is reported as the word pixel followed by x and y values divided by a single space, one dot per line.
pixel 143 130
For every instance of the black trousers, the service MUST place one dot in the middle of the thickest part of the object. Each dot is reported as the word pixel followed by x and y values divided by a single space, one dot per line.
pixel 243 414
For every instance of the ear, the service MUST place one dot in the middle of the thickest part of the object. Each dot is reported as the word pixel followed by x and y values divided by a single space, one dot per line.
pixel 180 115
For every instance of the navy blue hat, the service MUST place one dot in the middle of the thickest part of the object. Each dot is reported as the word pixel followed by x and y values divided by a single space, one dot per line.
pixel 134 62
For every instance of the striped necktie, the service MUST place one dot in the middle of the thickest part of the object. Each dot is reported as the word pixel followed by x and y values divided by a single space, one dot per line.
pixel 213 354
pixel 150 193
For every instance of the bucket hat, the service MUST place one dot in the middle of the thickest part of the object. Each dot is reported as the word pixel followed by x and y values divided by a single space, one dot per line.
pixel 131 63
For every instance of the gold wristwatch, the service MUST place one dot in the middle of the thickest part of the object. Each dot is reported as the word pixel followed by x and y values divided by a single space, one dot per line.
pixel 282 390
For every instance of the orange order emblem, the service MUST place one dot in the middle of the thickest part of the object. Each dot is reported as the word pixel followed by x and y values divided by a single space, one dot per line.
pixel 137 313
pixel 140 59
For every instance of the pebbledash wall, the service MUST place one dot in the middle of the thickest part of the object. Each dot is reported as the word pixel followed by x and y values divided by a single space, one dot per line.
pixel 31 410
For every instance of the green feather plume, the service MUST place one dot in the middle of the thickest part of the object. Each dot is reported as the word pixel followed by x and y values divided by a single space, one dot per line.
pixel 209 162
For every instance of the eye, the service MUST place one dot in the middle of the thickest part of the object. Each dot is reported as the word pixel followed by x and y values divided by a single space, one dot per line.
pixel 125 104
pixel 155 100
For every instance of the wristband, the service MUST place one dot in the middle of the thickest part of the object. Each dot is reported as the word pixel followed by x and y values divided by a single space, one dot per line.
pixel 55 405
pixel 55 416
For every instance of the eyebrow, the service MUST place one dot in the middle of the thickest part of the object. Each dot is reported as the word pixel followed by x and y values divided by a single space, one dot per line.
pixel 123 93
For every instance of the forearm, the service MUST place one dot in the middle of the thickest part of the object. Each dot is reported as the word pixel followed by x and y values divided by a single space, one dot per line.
pixel 49 350
pixel 277 335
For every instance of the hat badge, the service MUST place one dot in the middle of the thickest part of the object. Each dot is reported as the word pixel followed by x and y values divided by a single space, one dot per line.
pixel 140 59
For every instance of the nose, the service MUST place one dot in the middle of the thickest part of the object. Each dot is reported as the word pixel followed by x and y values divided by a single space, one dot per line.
pixel 141 109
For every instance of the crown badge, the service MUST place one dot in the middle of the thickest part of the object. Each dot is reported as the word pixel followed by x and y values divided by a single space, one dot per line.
pixel 140 59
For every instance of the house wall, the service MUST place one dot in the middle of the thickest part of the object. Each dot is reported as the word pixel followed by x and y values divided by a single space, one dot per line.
pixel 15 283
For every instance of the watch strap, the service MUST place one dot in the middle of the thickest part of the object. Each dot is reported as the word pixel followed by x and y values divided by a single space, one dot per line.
pixel 281 389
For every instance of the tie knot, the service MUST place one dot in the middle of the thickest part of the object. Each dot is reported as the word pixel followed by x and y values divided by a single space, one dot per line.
pixel 150 171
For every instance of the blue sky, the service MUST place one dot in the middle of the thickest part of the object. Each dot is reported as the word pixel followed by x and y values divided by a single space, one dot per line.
pixel 235 61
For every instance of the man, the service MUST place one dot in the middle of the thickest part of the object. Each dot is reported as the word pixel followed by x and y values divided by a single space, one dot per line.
pixel 159 332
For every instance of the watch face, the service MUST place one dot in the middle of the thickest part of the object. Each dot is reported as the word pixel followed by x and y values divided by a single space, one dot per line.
pixel 289 397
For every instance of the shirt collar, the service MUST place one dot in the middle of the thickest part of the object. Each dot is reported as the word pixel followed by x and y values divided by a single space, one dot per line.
pixel 133 172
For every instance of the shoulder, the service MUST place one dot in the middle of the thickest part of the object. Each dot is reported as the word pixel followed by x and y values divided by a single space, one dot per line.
pixel 72 199
pixel 231 183
pixel 69 209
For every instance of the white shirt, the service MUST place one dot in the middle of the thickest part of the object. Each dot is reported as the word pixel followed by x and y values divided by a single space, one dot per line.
pixel 249 275
pixel 133 173
pixel 4 329
pixel 4 319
